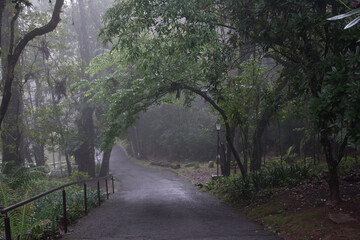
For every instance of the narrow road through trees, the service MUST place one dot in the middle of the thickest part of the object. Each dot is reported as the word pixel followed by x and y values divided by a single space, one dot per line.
pixel 152 204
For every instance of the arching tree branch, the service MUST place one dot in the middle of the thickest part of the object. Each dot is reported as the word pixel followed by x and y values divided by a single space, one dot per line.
pixel 13 57
pixel 226 121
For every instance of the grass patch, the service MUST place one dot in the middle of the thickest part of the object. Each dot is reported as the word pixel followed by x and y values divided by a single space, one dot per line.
pixel 302 220
pixel 259 211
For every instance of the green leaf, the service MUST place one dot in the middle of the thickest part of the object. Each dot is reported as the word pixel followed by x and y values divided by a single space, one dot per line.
pixel 348 14
pixel 352 23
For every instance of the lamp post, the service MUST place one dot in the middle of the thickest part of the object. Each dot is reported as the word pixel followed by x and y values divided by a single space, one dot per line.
pixel 218 127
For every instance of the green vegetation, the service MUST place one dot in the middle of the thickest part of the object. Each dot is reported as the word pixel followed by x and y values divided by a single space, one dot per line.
pixel 236 189
pixel 280 76
pixel 255 62
pixel 43 217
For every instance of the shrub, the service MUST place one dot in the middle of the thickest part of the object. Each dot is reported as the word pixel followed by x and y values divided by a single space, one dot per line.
pixel 78 176
pixel 234 188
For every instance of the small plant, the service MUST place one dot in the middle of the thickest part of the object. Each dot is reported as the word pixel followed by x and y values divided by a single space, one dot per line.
pixel 19 176
pixel 347 164
pixel 78 176
pixel 196 165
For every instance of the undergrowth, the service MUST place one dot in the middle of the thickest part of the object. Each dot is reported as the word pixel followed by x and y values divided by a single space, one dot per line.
pixel 43 216
pixel 235 189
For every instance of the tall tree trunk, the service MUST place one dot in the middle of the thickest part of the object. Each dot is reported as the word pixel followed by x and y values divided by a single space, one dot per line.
pixel 255 163
pixel 134 142
pixel 104 170
pixel 39 154
pixel 85 156
pixel 12 136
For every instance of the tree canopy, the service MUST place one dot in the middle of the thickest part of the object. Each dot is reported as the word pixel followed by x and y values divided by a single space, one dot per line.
pixel 176 46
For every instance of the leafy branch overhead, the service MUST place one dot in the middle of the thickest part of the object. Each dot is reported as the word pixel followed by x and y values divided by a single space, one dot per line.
pixel 197 45
pixel 13 57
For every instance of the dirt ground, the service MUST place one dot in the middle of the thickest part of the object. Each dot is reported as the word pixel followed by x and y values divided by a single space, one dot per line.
pixel 296 214
pixel 301 211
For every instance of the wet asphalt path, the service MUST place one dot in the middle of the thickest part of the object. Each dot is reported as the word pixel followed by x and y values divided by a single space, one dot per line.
pixel 152 204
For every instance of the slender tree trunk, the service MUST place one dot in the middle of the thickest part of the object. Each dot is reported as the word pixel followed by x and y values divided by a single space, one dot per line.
pixel 38 146
pixel 227 163
pixel 263 121
pixel 333 179
pixel 314 147
pixel 223 156
pixel 27 154
pixel 245 146
pixel 68 164
pixel 2 8
pixel 255 163
pixel 226 121
pixel 131 142
pixel 279 136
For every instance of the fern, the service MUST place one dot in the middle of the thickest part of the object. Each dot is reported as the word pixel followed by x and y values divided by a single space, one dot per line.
pixel 23 225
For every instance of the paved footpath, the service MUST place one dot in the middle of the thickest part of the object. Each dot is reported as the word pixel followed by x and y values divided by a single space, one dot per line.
pixel 155 205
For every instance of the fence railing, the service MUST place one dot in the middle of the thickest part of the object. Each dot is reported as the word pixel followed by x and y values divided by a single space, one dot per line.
pixel 5 211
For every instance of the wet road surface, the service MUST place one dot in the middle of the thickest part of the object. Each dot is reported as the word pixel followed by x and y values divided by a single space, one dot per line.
pixel 152 204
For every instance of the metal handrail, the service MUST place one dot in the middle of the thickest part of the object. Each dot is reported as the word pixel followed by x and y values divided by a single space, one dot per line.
pixel 19 204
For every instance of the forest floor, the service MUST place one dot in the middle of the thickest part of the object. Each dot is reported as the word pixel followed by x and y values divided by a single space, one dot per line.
pixel 298 211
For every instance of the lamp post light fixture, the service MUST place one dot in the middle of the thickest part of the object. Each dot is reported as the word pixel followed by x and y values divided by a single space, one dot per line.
pixel 218 127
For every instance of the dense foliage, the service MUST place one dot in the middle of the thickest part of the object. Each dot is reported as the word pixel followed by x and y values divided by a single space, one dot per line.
pixel 177 46
pixel 263 68
pixel 43 216
pixel 262 183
